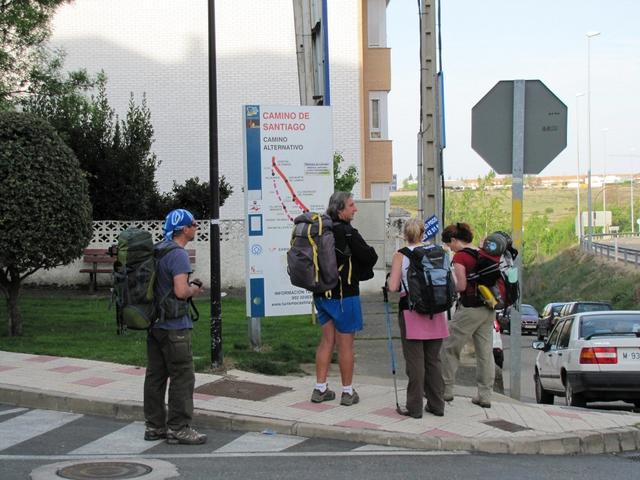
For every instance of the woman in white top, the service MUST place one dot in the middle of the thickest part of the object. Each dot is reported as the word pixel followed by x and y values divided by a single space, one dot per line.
pixel 421 335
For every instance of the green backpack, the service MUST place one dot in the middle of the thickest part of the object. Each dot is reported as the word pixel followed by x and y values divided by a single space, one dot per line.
pixel 134 273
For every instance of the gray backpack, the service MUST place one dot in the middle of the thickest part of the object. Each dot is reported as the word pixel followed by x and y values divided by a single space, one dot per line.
pixel 311 259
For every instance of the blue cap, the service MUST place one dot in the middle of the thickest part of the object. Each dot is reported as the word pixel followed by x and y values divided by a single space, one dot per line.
pixel 176 220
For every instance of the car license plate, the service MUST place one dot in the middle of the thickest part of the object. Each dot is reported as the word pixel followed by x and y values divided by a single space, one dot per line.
pixel 629 355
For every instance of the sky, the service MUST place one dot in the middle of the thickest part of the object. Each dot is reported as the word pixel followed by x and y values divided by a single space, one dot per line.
pixel 486 41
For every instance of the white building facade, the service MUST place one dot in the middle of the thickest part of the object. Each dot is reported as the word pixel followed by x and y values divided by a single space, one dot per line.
pixel 159 48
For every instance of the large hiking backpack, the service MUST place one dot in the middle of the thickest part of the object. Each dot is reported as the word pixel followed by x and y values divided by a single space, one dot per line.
pixel 495 271
pixel 311 259
pixel 134 273
pixel 430 288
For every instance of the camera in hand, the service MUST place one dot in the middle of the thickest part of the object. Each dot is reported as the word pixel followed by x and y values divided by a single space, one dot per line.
pixel 197 283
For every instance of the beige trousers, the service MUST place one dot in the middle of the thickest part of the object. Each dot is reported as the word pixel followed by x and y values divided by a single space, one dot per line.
pixel 475 323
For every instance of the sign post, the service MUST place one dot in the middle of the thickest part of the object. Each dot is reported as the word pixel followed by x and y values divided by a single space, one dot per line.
pixel 518 128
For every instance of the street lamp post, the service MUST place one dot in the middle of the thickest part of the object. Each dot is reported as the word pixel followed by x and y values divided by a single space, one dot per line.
pixel 604 178
pixel 580 232
pixel 590 35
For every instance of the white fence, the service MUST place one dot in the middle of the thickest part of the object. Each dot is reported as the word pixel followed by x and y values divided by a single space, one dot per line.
pixel 232 253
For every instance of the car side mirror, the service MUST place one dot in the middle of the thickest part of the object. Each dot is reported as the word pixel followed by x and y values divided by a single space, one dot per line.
pixel 539 346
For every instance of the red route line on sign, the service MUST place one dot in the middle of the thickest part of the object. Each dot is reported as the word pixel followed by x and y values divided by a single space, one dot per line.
pixel 288 184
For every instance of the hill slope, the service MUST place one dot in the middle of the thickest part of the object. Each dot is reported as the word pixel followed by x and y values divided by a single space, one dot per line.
pixel 575 275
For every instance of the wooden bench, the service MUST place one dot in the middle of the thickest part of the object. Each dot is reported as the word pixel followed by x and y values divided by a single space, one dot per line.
pixel 102 262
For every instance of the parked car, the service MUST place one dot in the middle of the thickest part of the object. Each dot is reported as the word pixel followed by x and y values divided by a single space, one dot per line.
pixel 498 354
pixel 528 319
pixel 580 306
pixel 548 318
pixel 591 356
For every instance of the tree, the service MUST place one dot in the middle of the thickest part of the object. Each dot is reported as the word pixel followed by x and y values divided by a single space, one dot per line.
pixel 45 212
pixel 343 182
pixel 115 153
pixel 194 196
pixel 479 208
pixel 24 27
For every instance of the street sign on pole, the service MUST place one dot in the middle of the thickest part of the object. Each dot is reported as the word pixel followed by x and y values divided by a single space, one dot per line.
pixel 545 126
pixel 518 127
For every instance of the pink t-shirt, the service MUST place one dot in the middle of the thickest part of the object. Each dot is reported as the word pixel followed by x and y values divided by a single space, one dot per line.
pixel 419 326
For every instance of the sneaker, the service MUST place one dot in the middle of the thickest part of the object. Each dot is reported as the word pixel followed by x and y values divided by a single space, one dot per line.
pixel 348 400
pixel 317 396
pixel 152 433
pixel 186 436
pixel 481 403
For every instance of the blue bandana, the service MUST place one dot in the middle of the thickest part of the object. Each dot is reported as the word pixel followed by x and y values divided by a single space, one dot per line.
pixel 176 220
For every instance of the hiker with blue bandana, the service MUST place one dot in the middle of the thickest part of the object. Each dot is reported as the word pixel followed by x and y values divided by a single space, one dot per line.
pixel 169 355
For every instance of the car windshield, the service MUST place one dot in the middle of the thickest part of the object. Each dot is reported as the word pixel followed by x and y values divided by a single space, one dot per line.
pixel 592 307
pixel 528 310
pixel 603 325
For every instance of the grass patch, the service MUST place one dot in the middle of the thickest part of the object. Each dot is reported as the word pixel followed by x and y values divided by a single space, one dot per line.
pixel 82 326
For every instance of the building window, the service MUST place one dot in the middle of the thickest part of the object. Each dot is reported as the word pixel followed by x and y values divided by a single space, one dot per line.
pixel 378 115
pixel 377 23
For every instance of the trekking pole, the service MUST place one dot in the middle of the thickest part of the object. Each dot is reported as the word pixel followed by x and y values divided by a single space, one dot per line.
pixel 392 355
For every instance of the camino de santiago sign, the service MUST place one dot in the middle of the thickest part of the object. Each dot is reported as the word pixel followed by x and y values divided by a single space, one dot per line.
pixel 288 170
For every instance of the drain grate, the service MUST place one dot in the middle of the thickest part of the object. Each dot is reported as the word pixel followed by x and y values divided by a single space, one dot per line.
pixel 98 470
pixel 241 389
pixel 506 426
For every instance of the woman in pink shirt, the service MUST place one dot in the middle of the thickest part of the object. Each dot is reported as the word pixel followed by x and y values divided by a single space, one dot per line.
pixel 421 336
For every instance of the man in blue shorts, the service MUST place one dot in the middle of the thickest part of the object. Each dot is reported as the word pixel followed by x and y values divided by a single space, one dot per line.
pixel 340 313
pixel 169 355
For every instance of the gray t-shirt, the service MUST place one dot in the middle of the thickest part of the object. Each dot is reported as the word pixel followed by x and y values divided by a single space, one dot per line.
pixel 173 263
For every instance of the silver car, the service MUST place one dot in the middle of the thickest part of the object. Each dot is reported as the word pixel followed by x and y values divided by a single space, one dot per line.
pixel 591 356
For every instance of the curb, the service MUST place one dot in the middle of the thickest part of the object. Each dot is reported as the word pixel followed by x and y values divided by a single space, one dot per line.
pixel 620 439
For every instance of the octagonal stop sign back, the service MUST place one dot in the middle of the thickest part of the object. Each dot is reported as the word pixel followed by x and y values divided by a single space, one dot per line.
pixel 545 127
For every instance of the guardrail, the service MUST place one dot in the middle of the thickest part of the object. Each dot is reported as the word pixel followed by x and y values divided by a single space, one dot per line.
pixel 613 251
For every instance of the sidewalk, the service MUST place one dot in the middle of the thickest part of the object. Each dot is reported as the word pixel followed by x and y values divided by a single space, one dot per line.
pixel 115 390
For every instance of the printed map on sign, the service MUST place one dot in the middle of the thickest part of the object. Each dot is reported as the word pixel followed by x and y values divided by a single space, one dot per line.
pixel 289 170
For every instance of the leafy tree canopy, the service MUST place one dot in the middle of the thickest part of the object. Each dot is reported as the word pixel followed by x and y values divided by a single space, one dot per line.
pixel 45 213
pixel 343 182
pixel 24 26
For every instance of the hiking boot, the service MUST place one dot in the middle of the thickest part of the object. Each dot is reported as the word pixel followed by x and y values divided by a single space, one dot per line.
pixel 186 436
pixel 317 396
pixel 433 411
pixel 348 400
pixel 481 403
pixel 152 433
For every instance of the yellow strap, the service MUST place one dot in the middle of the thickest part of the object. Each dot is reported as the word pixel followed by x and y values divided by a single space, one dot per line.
pixel 349 274
pixel 314 247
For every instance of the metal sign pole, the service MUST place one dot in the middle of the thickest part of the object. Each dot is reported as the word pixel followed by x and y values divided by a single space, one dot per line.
pixel 516 219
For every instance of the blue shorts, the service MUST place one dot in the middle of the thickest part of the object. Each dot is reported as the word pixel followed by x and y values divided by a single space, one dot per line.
pixel 346 313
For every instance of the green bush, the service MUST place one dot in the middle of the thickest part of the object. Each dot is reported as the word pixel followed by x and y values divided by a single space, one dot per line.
pixel 45 213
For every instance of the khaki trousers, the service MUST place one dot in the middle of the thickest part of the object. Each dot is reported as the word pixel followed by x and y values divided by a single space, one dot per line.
pixel 475 323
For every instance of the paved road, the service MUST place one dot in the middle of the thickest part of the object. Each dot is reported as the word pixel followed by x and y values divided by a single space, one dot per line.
pixel 44 444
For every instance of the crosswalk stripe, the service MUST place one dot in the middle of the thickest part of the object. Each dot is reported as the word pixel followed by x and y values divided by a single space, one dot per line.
pixel 12 411
pixel 128 440
pixel 260 442
pixel 378 448
pixel 31 424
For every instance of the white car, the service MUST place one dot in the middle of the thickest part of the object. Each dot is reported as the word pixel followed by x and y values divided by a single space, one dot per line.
pixel 591 356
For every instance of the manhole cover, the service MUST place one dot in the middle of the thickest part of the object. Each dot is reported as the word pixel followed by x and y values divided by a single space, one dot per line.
pixel 506 426
pixel 241 389
pixel 99 470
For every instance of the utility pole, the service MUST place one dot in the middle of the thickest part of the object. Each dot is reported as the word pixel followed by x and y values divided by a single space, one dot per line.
pixel 429 159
